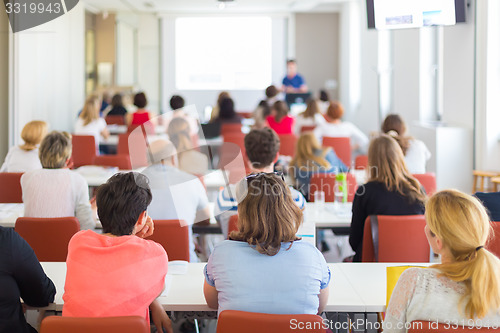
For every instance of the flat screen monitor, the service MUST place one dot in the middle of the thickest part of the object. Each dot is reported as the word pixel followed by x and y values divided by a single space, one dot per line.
pixel 401 14
pixel 299 98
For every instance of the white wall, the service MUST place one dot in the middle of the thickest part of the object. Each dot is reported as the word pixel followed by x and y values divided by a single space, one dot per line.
pixel 4 85
pixel 47 78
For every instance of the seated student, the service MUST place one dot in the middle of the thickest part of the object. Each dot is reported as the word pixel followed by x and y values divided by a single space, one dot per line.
pixel 415 151
pixel 227 113
pixel 21 276
pixel 391 189
pixel 117 273
pixel 464 289
pixel 141 115
pixel 279 120
pixel 324 101
pixel 117 107
pixel 262 149
pixel 177 195
pixel 311 158
pixel 264 108
pixel 55 190
pixel 177 104
pixel 310 117
pixel 25 157
pixel 335 127
pixel 491 201
pixel 216 109
pixel 89 122
pixel 264 267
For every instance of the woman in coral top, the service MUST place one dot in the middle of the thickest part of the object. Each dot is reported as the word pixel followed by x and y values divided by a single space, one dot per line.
pixel 141 116
pixel 118 273
pixel 279 120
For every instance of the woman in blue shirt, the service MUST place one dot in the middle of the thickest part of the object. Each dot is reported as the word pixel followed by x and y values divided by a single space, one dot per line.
pixel 264 267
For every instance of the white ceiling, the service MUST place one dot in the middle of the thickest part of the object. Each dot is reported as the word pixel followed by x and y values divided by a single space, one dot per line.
pixel 211 6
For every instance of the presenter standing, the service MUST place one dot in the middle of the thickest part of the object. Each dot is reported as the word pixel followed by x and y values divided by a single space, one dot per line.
pixel 293 82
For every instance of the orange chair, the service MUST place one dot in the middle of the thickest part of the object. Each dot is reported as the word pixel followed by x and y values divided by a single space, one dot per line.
pixel 326 182
pixel 49 237
pixel 233 224
pixel 428 181
pixel 231 321
pixel 245 114
pixel 288 143
pixel 230 128
pixel 395 239
pixel 304 129
pixel 173 235
pixel 419 326
pixel 342 147
pixel 121 161
pixel 134 145
pixel 361 162
pixel 84 150
pixel 493 244
pixel 10 183
pixel 115 120
pixel 57 324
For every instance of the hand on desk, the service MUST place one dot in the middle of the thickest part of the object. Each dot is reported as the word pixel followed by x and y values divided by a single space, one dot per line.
pixel 147 230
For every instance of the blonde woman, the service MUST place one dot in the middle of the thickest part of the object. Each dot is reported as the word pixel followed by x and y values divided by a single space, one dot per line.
pixel 390 190
pixel 310 158
pixel 190 160
pixel 465 288
pixel 265 267
pixel 310 117
pixel 25 157
pixel 89 122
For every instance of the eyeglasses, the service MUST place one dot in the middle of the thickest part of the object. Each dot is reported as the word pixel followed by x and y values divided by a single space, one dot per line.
pixel 253 176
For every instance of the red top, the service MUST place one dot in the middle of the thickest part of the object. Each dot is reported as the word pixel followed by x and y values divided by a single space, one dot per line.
pixel 140 117
pixel 285 126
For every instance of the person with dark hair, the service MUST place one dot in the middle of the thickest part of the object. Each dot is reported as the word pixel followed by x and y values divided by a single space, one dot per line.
pixel 227 113
pixel 324 101
pixel 216 109
pixel 262 149
pixel 263 110
pixel 176 102
pixel 118 272
pixel 177 105
pixel 117 108
pixel 279 120
pixel 142 115
pixel 293 82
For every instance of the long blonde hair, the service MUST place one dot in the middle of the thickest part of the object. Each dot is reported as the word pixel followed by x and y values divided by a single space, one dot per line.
pixel 305 155
pixel 387 165
pixel 312 109
pixel 32 134
pixel 90 111
pixel 462 223
pixel 259 222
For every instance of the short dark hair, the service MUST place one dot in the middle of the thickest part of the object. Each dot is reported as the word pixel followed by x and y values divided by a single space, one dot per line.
pixel 261 147
pixel 176 102
pixel 226 110
pixel 271 91
pixel 291 61
pixel 140 100
pixel 117 100
pixel 323 96
pixel 121 200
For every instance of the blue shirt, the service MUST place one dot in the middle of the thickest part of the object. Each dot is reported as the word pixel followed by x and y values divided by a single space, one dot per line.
pixel 286 283
pixel 297 81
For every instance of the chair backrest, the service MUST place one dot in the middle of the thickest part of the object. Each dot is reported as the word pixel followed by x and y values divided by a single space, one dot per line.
pixel 121 161
pixel 419 326
pixel 84 150
pixel 231 321
pixel 228 152
pixel 342 147
pixel 326 182
pixel 307 129
pixel 173 235
pixel 230 128
pixel 48 237
pixel 397 238
pixel 288 144
pixel 233 224
pixel 134 145
pixel 428 181
pixel 58 324
pixel 361 162
pixel 493 244
pixel 115 120
pixel 10 183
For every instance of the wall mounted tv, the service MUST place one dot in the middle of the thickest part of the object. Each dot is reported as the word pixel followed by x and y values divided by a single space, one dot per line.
pixel 400 14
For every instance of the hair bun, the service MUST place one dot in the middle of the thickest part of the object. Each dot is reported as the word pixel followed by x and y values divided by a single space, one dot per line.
pixel 393 133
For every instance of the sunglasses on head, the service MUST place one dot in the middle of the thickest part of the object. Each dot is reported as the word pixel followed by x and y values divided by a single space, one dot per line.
pixel 253 176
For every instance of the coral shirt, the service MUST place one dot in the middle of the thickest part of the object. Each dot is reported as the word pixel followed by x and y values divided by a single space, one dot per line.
pixel 285 126
pixel 112 276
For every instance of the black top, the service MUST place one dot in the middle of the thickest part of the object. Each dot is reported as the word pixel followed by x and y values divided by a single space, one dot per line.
pixel 374 198
pixel 492 203
pixel 117 111
pixel 21 275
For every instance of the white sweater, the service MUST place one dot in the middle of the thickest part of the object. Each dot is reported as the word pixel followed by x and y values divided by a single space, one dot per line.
pixel 57 193
pixel 18 160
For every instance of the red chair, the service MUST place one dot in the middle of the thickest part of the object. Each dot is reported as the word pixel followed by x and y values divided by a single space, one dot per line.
pixel 231 321
pixel 419 326
pixel 233 225
pixel 234 144
pixel 245 114
pixel 493 244
pixel 134 145
pixel 342 147
pixel 304 129
pixel 121 161
pixel 428 181
pixel 173 235
pixel 10 183
pixel 84 150
pixel 230 128
pixel 395 239
pixel 58 324
pixel 361 162
pixel 115 120
pixel 48 237
pixel 326 182
pixel 288 144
